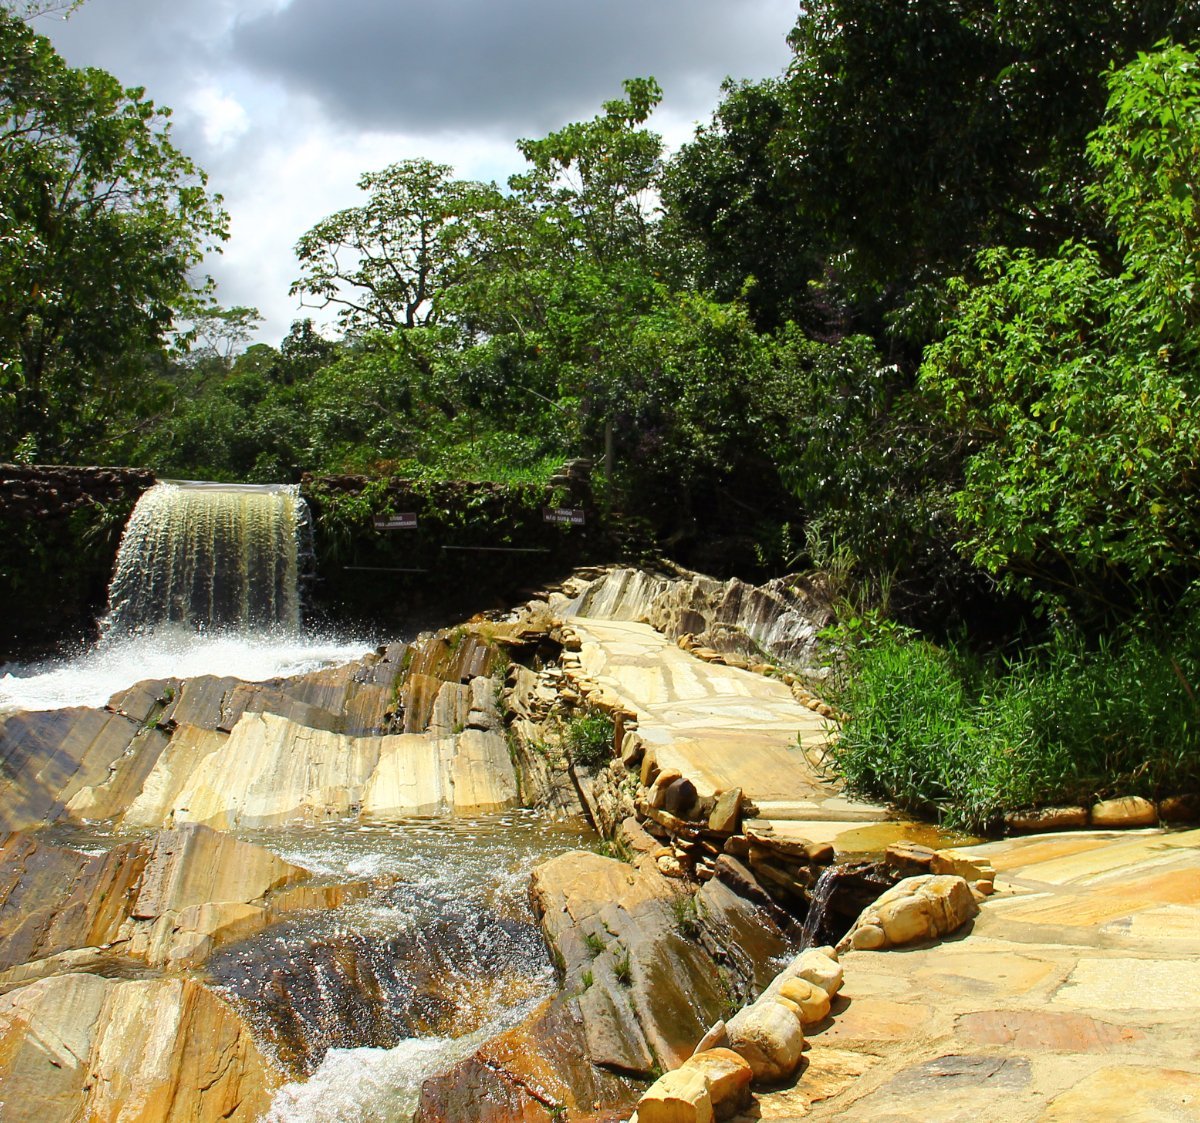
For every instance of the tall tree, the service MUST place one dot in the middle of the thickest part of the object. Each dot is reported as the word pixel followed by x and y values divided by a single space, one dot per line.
pixel 926 130
pixel 733 214
pixel 102 223
pixel 1075 380
pixel 388 263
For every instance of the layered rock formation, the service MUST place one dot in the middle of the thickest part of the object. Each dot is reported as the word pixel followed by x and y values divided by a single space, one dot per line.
pixel 166 902
pixel 781 618
pixel 410 731
pixel 81 1046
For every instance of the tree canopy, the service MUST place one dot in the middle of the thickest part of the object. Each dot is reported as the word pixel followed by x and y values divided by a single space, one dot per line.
pixel 102 223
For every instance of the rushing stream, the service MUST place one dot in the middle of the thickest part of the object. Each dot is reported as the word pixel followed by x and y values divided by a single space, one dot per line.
pixel 95 675
pixel 365 1002
pixel 436 948
pixel 381 994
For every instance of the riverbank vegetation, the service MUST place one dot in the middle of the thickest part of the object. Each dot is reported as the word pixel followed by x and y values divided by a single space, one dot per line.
pixel 927 305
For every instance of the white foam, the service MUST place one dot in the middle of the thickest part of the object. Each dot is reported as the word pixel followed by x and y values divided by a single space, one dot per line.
pixel 113 665
pixel 368 1085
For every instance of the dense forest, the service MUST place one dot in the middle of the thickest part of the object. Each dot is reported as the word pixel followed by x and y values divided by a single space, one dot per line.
pixel 921 312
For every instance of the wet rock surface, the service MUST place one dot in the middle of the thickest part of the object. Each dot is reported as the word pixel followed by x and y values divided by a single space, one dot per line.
pixel 82 1046
pixel 167 901
pixel 349 983
pixel 412 730
pixel 653 968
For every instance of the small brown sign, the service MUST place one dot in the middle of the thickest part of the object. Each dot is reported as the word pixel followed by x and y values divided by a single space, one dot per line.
pixel 405 521
pixel 564 516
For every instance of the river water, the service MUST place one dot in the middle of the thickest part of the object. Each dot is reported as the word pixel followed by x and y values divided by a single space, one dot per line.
pixel 93 676
pixel 363 1003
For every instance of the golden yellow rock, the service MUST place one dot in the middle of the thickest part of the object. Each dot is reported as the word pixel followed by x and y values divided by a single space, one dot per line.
pixel 109 1050
pixel 769 1037
pixel 810 999
pixel 917 908
pixel 727 1075
pixel 1131 811
pixel 681 1096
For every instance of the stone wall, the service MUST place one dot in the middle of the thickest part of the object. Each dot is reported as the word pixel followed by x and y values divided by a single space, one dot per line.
pixel 59 532
pixel 475 545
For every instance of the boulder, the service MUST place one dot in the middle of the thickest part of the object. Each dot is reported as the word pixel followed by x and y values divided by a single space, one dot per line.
pixel 656 798
pixel 918 908
pixel 1180 809
pixel 728 1077
pixel 726 815
pixel 1034 821
pixel 1129 811
pixel 810 1000
pixel 680 1096
pixel 910 859
pixel 962 864
pixel 680 798
pixel 769 1037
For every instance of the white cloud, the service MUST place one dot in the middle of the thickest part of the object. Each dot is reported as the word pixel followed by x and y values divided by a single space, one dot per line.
pixel 286 102
pixel 222 117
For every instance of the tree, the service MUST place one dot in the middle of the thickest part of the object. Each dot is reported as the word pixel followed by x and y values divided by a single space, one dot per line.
pixel 1075 379
pixel 102 222
pixel 30 9
pixel 733 214
pixel 388 263
pixel 925 131
pixel 219 333
pixel 568 261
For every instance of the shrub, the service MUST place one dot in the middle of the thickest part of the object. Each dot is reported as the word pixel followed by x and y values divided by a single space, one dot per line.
pixel 940 730
pixel 590 739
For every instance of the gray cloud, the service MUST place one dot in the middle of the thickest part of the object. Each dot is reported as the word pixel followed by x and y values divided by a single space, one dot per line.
pixel 330 89
pixel 516 68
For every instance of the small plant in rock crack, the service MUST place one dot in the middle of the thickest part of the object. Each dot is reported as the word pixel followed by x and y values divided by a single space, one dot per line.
pixel 594 943
pixel 623 970
pixel 687 919
pixel 590 739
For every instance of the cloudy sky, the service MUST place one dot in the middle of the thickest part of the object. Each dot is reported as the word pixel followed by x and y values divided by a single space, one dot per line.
pixel 286 102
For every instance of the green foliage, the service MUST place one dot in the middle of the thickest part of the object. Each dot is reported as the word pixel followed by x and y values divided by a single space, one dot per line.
pixel 687 919
pixel 942 730
pixel 925 131
pixel 623 970
pixel 102 221
pixel 1074 381
pixel 589 738
pixel 593 943
pixel 733 222
pixel 388 263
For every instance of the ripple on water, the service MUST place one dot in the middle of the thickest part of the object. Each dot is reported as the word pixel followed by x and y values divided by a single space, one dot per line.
pixel 371 1000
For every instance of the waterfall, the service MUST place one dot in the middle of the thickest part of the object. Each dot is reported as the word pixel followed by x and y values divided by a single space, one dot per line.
pixel 210 556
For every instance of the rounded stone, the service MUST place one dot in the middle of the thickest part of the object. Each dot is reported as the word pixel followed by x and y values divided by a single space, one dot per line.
pixel 810 999
pixel 868 937
pixel 1129 811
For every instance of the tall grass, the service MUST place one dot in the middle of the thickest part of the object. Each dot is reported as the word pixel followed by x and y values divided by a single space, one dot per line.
pixel 940 730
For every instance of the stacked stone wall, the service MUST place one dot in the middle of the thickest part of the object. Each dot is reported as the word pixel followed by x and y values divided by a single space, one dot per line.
pixel 59 531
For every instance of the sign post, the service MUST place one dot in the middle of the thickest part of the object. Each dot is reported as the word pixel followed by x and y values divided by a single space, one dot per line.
pixel 404 521
pixel 564 516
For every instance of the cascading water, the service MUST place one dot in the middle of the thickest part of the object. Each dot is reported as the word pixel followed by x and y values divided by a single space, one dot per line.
pixel 207 582
pixel 211 556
